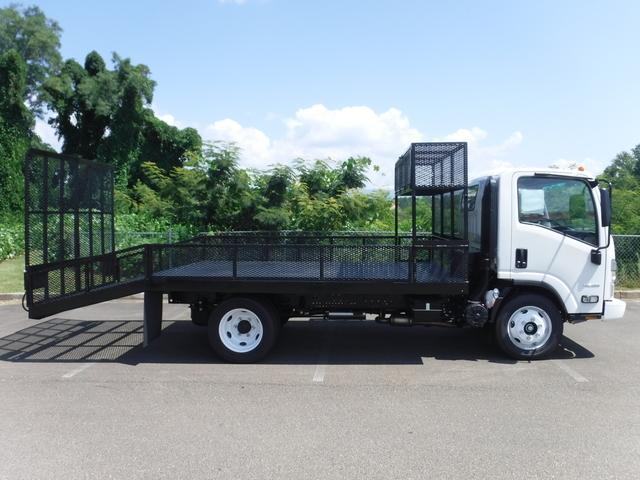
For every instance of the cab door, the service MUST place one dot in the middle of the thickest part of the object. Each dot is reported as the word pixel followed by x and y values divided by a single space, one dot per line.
pixel 554 230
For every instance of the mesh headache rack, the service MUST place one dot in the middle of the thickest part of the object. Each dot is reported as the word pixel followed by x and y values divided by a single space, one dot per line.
pixel 437 173
pixel 430 168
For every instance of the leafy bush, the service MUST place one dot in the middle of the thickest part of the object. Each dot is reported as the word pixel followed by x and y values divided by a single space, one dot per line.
pixel 11 239
pixel 137 228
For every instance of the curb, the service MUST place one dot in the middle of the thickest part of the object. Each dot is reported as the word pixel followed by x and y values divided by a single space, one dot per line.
pixel 628 294
pixel 11 296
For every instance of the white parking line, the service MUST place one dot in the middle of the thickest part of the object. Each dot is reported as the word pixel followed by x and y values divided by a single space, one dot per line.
pixel 318 375
pixel 77 370
pixel 570 371
pixel 323 357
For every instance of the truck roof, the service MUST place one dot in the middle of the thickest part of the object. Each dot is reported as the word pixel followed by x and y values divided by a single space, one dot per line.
pixel 533 170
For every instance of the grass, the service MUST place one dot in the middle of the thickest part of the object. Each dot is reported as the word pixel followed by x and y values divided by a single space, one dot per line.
pixel 11 275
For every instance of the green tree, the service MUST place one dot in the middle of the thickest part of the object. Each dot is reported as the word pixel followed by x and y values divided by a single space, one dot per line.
pixel 323 178
pixel 209 192
pixel 318 214
pixel 83 100
pixel 12 88
pixel 370 211
pixel 623 169
pixel 231 200
pixel 624 174
pixel 626 211
pixel 273 198
pixel 352 174
pixel 15 131
pixel 104 114
pixel 130 115
pixel 166 145
pixel 37 39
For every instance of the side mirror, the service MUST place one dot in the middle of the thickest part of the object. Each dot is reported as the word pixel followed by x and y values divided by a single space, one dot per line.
pixel 605 207
pixel 605 218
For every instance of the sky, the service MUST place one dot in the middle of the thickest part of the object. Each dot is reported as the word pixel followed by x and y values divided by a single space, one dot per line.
pixel 525 83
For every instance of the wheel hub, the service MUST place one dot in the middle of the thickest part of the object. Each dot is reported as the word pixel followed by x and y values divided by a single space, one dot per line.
pixel 529 328
pixel 244 326
pixel 240 330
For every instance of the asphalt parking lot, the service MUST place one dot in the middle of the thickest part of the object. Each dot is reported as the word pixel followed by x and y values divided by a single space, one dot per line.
pixel 82 399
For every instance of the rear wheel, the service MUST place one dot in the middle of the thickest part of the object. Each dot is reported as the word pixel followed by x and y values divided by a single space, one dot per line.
pixel 243 330
pixel 528 326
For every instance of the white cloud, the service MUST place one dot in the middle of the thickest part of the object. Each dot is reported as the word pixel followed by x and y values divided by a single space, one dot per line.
pixel 234 2
pixel 47 134
pixel 319 132
pixel 472 135
pixel 257 151
pixel 482 156
pixel 170 120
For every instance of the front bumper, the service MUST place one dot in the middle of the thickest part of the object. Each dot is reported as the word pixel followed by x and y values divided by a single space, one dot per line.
pixel 614 309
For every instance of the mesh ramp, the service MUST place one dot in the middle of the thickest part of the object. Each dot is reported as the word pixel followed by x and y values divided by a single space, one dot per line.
pixel 70 235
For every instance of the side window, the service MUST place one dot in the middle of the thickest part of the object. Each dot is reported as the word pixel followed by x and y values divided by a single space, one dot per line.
pixel 564 205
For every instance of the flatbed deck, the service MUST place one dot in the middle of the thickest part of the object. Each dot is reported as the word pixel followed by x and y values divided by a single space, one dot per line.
pixel 211 263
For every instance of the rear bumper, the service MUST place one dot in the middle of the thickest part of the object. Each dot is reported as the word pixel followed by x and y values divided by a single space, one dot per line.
pixel 614 309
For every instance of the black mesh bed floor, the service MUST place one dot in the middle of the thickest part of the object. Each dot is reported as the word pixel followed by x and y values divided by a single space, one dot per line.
pixel 426 272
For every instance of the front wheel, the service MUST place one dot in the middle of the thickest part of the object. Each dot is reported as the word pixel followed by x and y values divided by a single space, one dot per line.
pixel 528 327
pixel 243 330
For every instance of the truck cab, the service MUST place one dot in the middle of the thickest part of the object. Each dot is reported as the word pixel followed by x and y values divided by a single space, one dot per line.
pixel 545 233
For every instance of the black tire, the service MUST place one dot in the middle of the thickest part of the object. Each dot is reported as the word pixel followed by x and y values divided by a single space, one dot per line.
pixel 254 309
pixel 515 341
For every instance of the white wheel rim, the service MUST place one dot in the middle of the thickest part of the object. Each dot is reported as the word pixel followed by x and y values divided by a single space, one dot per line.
pixel 240 330
pixel 529 328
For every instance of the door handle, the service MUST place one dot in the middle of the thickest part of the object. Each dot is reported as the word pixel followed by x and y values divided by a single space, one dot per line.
pixel 521 258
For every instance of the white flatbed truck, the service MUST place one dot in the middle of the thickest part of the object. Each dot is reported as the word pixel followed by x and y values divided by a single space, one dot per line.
pixel 519 252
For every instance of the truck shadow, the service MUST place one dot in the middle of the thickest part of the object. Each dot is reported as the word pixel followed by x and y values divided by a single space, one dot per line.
pixel 302 342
